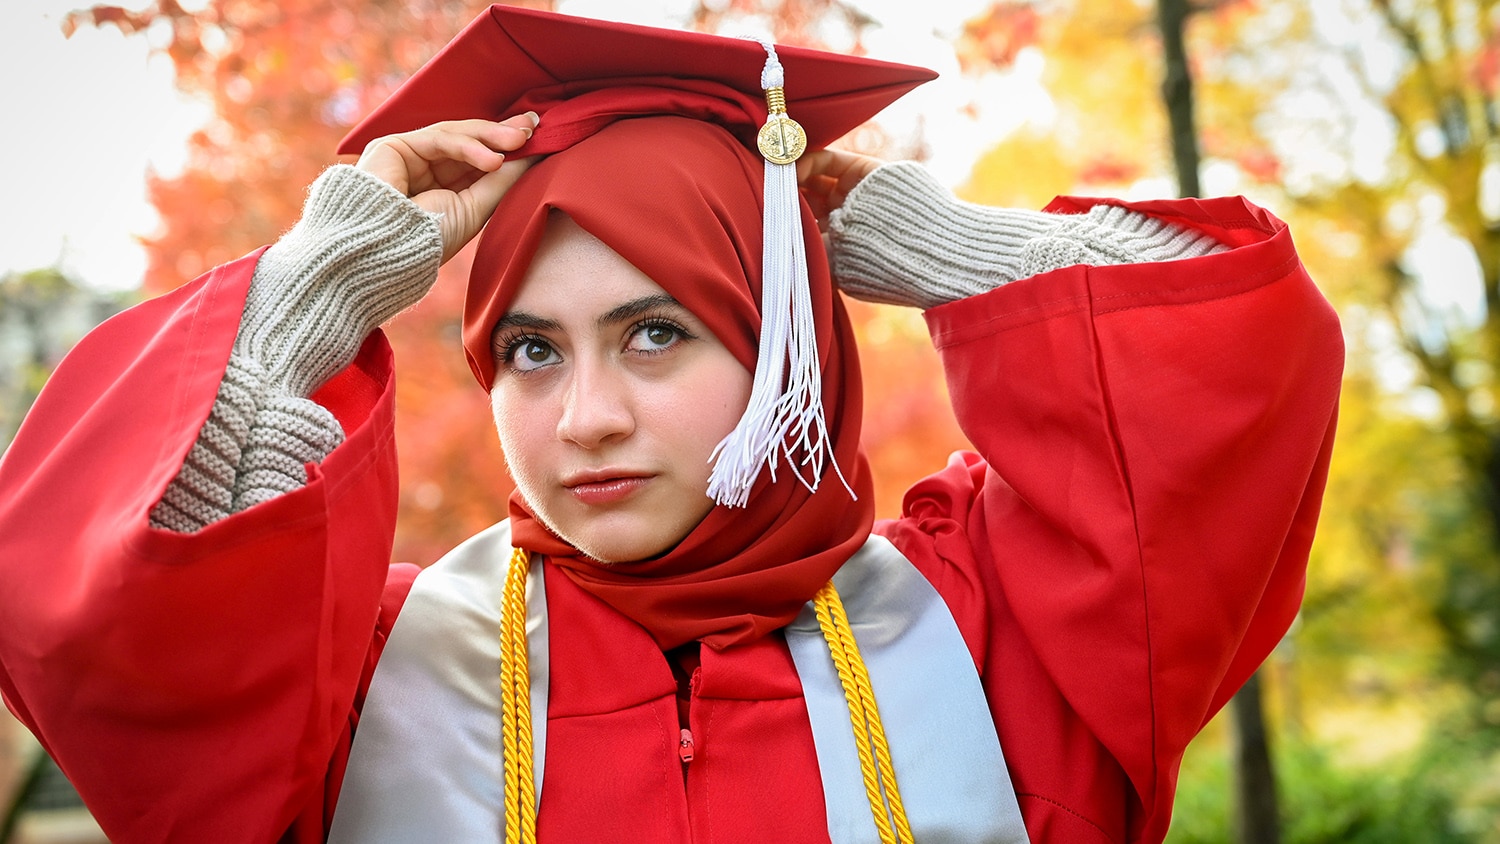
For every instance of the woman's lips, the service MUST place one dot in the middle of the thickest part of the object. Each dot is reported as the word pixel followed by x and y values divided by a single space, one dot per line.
pixel 600 490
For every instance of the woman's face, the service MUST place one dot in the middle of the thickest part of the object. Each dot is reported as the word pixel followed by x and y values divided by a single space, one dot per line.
pixel 609 397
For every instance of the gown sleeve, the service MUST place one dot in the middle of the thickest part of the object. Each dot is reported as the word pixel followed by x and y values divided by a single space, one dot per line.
pixel 193 687
pixel 1130 541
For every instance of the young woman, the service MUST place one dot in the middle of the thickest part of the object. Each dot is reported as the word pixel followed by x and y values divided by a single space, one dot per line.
pixel 203 628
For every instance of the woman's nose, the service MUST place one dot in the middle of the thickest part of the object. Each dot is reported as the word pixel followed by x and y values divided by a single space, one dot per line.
pixel 596 407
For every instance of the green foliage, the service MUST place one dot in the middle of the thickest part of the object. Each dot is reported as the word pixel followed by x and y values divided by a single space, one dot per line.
pixel 1407 801
pixel 1462 585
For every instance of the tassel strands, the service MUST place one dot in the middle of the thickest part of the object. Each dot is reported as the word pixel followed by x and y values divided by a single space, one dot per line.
pixel 515 706
pixel 784 416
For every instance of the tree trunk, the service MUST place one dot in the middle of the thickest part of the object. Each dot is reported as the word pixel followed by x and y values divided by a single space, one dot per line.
pixel 1256 820
pixel 1177 94
pixel 17 804
pixel 1255 814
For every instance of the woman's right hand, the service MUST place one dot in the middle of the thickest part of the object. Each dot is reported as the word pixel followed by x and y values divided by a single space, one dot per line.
pixel 826 177
pixel 457 168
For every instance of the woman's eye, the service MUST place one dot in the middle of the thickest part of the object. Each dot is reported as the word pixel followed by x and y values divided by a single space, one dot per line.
pixel 530 353
pixel 655 336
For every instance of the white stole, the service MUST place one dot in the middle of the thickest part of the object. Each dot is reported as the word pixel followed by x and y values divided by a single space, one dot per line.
pixel 949 769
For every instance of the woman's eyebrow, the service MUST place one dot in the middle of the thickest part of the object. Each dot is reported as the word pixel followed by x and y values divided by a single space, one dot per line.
pixel 634 308
pixel 522 319
pixel 618 314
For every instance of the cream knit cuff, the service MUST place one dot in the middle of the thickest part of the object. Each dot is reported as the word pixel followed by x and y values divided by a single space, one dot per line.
pixel 902 238
pixel 361 253
pixel 254 447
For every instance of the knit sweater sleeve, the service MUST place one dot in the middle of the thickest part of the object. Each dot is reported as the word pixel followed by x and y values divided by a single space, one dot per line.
pixel 902 238
pixel 361 253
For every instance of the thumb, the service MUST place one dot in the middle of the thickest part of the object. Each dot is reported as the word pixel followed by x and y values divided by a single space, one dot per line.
pixel 485 194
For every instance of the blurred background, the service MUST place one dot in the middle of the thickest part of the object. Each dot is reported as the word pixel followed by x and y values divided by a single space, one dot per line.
pixel 146 143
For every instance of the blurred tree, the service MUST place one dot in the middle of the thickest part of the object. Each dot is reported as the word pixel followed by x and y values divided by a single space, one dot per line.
pixel 1256 816
pixel 1102 72
pixel 1372 124
pixel 801 22
pixel 1100 60
pixel 1382 125
pixel 42 314
pixel 287 78
pixel 1376 122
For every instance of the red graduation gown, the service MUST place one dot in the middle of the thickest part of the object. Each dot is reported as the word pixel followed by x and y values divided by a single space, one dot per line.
pixel 1129 546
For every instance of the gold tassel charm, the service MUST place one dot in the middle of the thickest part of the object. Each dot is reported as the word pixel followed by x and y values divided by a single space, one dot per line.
pixel 782 139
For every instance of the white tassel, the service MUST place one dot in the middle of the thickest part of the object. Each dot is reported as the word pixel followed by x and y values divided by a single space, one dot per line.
pixel 785 412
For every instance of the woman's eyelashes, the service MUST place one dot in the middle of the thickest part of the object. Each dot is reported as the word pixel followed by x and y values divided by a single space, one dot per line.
pixel 527 353
pixel 524 352
pixel 655 335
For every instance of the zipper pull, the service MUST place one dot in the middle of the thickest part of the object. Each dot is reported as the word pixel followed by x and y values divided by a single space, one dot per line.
pixel 685 746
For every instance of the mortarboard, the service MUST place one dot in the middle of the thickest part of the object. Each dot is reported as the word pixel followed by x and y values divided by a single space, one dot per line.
pixel 582 75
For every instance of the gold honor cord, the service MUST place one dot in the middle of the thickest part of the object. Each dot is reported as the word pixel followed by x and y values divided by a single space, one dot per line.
pixel 515 706
pixel 869 735
pixel 515 713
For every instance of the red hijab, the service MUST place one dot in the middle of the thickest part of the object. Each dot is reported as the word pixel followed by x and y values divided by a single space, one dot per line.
pixel 680 199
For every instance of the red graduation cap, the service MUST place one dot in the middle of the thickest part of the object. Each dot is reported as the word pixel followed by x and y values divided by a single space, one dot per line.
pixel 583 74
